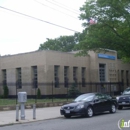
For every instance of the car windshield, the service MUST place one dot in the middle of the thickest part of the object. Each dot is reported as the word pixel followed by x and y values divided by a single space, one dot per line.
pixel 85 97
pixel 126 91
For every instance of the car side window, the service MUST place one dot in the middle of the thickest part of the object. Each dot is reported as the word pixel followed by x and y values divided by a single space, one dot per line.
pixel 98 96
pixel 107 96
pixel 103 96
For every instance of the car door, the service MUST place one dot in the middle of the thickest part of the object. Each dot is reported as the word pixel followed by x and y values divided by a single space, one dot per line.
pixel 105 102
pixel 98 104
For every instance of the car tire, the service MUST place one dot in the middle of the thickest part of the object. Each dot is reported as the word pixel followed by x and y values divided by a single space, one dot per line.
pixel 120 107
pixel 67 116
pixel 90 112
pixel 113 108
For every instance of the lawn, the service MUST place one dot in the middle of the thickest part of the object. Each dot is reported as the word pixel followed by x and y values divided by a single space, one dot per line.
pixel 6 102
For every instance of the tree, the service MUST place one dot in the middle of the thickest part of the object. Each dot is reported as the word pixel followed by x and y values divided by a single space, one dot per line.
pixel 111 29
pixel 38 93
pixel 62 43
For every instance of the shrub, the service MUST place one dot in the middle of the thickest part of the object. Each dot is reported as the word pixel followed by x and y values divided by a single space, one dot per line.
pixel 73 91
pixel 38 93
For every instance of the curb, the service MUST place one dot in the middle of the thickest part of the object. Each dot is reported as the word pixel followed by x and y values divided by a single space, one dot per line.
pixel 9 124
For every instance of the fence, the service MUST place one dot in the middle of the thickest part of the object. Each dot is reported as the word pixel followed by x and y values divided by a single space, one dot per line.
pixel 112 88
pixel 69 90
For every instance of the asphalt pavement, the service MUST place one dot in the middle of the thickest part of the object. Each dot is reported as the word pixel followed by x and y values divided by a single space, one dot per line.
pixel 10 117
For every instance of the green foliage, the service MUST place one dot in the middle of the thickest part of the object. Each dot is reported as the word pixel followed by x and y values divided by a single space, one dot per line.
pixel 73 91
pixel 1 96
pixel 62 43
pixel 112 28
pixel 12 102
pixel 5 91
pixel 38 93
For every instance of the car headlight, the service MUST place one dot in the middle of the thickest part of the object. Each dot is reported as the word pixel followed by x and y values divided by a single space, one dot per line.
pixel 117 98
pixel 80 106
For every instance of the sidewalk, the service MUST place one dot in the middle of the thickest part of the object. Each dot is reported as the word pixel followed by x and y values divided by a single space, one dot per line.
pixel 9 117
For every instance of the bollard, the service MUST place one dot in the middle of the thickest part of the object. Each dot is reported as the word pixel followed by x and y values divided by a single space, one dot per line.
pixel 22 111
pixel 34 111
pixel 17 112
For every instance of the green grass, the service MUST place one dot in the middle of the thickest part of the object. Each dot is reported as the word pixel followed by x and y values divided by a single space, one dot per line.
pixel 8 102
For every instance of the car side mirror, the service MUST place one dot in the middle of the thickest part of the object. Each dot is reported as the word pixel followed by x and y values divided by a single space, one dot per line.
pixel 96 100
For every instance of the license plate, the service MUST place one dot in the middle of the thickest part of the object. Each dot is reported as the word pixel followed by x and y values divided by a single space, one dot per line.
pixel 123 102
pixel 67 111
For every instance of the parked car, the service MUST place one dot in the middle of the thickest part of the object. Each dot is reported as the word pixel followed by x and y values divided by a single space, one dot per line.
pixel 89 104
pixel 124 99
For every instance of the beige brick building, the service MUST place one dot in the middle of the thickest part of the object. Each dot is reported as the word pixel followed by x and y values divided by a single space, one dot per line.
pixel 52 71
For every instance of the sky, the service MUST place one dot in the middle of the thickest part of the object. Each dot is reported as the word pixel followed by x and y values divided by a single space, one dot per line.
pixel 21 34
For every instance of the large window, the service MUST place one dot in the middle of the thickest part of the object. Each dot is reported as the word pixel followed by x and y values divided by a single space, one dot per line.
pixel 122 76
pixel 4 77
pixel 56 76
pixel 75 69
pixel 66 79
pixel 127 78
pixel 18 78
pixel 34 76
pixel 102 72
pixel 83 76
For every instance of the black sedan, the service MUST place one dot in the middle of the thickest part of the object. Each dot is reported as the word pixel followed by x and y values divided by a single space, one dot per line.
pixel 89 104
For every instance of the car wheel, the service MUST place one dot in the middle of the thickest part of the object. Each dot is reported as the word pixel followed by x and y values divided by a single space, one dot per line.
pixel 120 107
pixel 67 116
pixel 113 108
pixel 89 112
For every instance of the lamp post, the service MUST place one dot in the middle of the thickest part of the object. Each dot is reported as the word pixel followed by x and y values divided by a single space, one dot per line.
pixel 17 106
pixel 34 85
pixel 52 91
pixel 34 105
pixel 16 91
pixel 35 95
